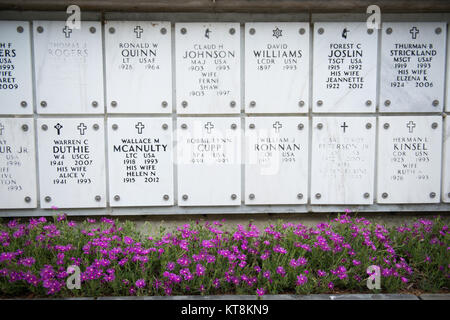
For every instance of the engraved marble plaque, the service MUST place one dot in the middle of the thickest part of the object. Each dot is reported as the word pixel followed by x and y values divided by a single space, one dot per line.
pixel 446 164
pixel 207 58
pixel 412 67
pixel 409 159
pixel 17 164
pixel 209 161
pixel 345 67
pixel 68 67
pixel 71 162
pixel 276 160
pixel 140 161
pixel 138 67
pixel 16 91
pixel 343 160
pixel 276 67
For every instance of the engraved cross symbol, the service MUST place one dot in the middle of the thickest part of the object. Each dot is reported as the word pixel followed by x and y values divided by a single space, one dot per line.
pixel 1 129
pixel 67 31
pixel 207 32
pixel 138 30
pixel 58 128
pixel 277 126
pixel 209 126
pixel 139 126
pixel 344 126
pixel 414 31
pixel 411 125
pixel 82 127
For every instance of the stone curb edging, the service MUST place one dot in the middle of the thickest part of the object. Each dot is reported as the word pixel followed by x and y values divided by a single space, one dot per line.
pixel 427 296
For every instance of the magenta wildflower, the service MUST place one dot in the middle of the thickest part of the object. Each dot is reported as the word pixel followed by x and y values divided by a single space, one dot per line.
pixel 128 240
pixel 293 263
pixel 265 256
pixel 200 270
pixel 279 249
pixel 27 262
pixel 281 271
pixel 260 291
pixel 170 266
pixel 207 244
pixel 184 261
pixel 210 259
pixel 71 223
pixel 140 283
pixel 123 261
pixel 321 273
pixel 301 280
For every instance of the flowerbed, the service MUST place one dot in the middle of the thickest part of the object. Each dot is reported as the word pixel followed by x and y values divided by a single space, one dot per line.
pixel 204 258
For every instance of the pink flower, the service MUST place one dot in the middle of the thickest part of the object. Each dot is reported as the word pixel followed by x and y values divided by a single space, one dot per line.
pixel 302 261
pixel 280 271
pixel 321 273
pixel 301 280
pixel 331 285
pixel 128 240
pixel 260 292
pixel 140 283
pixel 170 266
pixel 265 256
pixel 200 270
pixel 293 263
pixel 210 259
pixel 184 261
